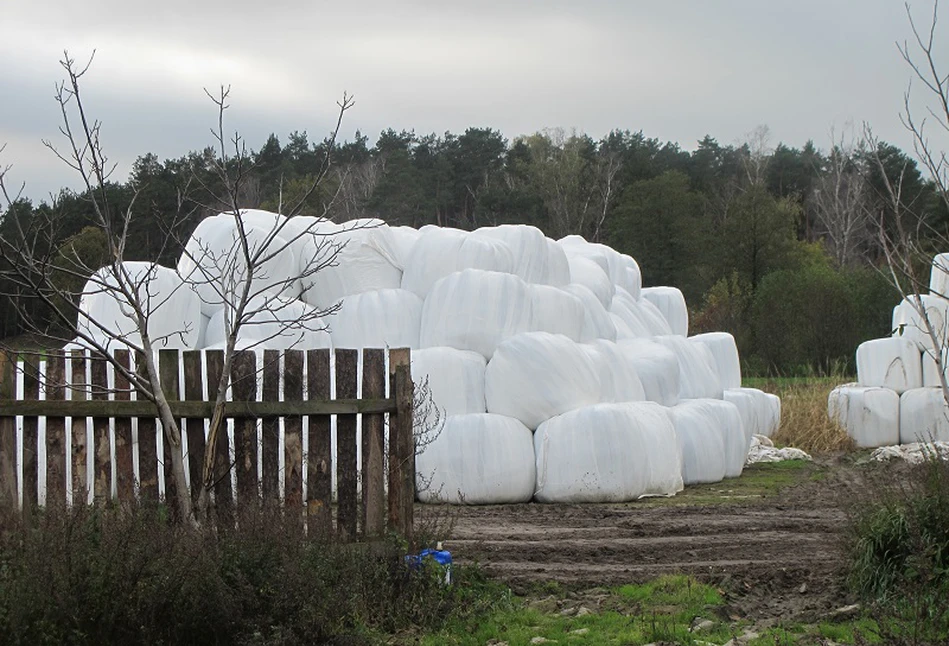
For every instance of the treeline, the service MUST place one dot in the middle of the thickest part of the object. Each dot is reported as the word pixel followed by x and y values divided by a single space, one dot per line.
pixel 778 246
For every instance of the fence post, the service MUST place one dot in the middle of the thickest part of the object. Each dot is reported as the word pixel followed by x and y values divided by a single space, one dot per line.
pixel 124 465
pixel 293 437
pixel 270 435
pixel 101 446
pixel 346 464
pixel 168 376
pixel 55 387
pixel 373 444
pixel 194 391
pixel 401 444
pixel 8 471
pixel 79 391
pixel 31 391
pixel 319 482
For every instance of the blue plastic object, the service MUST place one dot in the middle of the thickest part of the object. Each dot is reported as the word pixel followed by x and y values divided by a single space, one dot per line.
pixel 441 557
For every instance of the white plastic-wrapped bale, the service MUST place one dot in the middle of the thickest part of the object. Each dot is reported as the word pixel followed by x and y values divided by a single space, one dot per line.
pixel 725 353
pixel 698 378
pixel 772 414
pixel 387 318
pixel 658 325
pixel 404 239
pixel 623 331
pixel 893 363
pixel 931 368
pixel 760 411
pixel 475 310
pixel 273 323
pixel 173 309
pixel 701 443
pixel 440 252
pixel 213 262
pixel 939 275
pixel 869 414
pixel 367 258
pixel 621 269
pixel 558 267
pixel 628 311
pixel 556 311
pixel 736 441
pixel 909 324
pixel 535 376
pixel 607 453
pixel 529 246
pixel 924 416
pixel 671 303
pixel 633 282
pixel 477 459
pixel 584 271
pixel 597 323
pixel 657 367
pixel 455 379
pixel 618 379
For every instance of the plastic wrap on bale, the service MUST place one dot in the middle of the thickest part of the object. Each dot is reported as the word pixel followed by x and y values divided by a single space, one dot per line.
pixel 657 367
pixel 440 252
pixel 869 414
pixel 725 354
pixel 455 379
pixel 607 453
pixel 556 311
pixel 535 376
pixel 173 309
pixel 273 323
pixel 387 318
pixel 671 302
pixel 893 363
pixel 368 259
pixel 619 381
pixel 529 246
pixel 698 378
pixel 924 416
pixel 475 310
pixel 214 264
pixel 477 459
pixel 597 322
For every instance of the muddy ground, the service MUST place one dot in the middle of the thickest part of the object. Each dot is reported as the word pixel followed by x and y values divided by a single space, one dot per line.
pixel 774 541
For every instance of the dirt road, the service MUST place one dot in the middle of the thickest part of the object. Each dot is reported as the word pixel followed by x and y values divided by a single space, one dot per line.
pixel 773 538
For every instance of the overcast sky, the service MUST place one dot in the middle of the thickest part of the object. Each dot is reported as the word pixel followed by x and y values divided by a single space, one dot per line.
pixel 676 70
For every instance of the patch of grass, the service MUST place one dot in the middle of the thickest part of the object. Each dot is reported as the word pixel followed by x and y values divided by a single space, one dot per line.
pixel 757 482
pixel 661 610
pixel 804 421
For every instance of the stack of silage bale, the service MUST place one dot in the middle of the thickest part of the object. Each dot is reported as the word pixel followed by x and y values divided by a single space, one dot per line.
pixel 898 398
pixel 561 378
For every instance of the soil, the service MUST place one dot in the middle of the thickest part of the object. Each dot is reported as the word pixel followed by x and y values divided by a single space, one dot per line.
pixel 777 555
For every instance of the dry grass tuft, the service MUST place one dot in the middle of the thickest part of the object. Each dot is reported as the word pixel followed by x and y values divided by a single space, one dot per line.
pixel 804 421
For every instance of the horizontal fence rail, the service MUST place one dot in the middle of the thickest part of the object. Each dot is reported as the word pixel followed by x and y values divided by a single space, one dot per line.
pixel 301 426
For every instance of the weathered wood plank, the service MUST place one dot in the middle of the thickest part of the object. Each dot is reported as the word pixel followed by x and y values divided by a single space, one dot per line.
pixel 31 391
pixel 124 466
pixel 168 375
pixel 244 387
pixel 79 391
pixel 292 429
pixel 320 456
pixel 401 444
pixel 8 466
pixel 101 446
pixel 346 465
pixel 223 491
pixel 373 445
pixel 147 446
pixel 54 386
pixel 194 391
pixel 270 435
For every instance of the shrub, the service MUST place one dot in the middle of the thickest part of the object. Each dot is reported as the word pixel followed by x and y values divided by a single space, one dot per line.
pixel 128 575
pixel 900 557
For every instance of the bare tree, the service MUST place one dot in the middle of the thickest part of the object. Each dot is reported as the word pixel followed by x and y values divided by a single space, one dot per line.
pixel 239 275
pixel 907 238
pixel 841 202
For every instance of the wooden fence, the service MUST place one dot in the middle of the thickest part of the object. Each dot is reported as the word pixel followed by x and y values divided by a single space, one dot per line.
pixel 73 432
